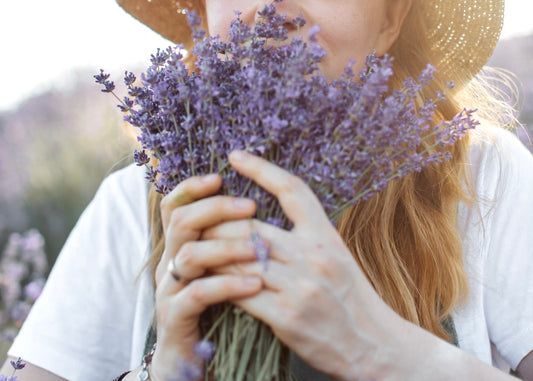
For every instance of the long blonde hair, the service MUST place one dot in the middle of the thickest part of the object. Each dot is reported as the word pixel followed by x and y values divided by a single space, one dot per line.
pixel 405 239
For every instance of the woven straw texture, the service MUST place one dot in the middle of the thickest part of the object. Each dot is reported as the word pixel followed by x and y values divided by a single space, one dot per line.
pixel 464 33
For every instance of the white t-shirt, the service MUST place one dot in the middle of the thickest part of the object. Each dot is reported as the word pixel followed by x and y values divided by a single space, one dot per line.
pixel 91 320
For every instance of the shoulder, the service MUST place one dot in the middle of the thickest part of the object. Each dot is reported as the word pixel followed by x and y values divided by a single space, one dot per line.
pixel 495 145
pixel 128 181
pixel 123 194
pixel 498 162
pixel 497 246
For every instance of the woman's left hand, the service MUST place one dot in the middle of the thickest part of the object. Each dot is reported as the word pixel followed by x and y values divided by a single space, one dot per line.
pixel 315 298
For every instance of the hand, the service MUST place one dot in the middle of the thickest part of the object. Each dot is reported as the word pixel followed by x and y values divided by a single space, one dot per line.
pixel 185 213
pixel 316 299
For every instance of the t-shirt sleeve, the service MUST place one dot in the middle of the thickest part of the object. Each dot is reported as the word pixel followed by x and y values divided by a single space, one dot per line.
pixel 508 299
pixel 81 326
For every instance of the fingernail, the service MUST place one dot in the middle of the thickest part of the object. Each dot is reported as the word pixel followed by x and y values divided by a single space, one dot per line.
pixel 243 203
pixel 238 155
pixel 251 281
pixel 209 178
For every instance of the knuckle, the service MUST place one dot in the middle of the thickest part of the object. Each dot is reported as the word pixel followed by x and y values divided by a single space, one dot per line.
pixel 180 196
pixel 164 204
pixel 309 291
pixel 292 184
pixel 290 316
pixel 221 203
pixel 319 264
pixel 177 217
pixel 196 292
pixel 229 285
pixel 186 254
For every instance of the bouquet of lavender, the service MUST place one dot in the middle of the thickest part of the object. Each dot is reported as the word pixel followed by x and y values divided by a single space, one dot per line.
pixel 258 92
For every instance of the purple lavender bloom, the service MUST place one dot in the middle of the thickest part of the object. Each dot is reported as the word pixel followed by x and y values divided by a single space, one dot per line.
pixel 129 78
pixel 299 21
pixel 17 365
pixel 20 312
pixel 32 241
pixel 6 378
pixel 313 32
pixel 140 158
pixel 261 249
pixel 204 350
pixel 187 371
pixel 34 289
pixel 9 334
pixel 102 77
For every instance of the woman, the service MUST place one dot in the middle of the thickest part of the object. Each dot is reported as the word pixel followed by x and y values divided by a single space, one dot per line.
pixel 433 261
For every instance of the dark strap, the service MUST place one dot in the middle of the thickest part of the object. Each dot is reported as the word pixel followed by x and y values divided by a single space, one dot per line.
pixel 150 340
pixel 121 377
pixel 449 326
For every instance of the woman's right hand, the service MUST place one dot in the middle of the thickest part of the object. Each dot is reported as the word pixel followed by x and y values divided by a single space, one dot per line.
pixel 185 212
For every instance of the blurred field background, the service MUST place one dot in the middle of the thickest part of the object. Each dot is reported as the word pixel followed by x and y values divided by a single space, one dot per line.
pixel 57 144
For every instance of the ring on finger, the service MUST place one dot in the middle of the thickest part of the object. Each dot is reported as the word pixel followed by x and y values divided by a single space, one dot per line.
pixel 173 270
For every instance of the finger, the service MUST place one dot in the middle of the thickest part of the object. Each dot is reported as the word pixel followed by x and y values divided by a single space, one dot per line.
pixel 203 292
pixel 276 276
pixel 178 314
pixel 243 228
pixel 297 200
pixel 197 257
pixel 211 211
pixel 190 190
pixel 255 306
pixel 277 239
pixel 187 222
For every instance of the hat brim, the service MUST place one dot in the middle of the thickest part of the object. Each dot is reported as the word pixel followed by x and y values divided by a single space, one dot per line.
pixel 166 17
pixel 463 33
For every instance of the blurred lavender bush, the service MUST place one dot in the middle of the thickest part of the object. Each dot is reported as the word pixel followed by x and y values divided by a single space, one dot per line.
pixel 55 149
pixel 23 271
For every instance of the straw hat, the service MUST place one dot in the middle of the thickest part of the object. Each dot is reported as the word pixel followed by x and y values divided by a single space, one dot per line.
pixel 464 32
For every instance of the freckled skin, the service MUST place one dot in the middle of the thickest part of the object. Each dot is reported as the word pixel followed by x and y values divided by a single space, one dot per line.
pixel 349 29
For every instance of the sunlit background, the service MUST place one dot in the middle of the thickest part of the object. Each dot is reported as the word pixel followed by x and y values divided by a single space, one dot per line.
pixel 60 136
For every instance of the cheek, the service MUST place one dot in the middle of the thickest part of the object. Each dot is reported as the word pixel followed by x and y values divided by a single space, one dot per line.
pixel 345 40
pixel 220 14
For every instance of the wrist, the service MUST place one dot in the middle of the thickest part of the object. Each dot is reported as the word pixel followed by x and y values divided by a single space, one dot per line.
pixel 416 354
pixel 373 345
pixel 168 364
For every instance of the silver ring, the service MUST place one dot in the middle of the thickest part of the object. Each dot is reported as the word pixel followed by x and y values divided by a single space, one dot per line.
pixel 173 271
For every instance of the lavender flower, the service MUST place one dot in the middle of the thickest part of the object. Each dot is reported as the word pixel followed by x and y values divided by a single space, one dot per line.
pixel 17 365
pixel 204 350
pixel 33 289
pixel 187 371
pixel 261 249
pixel 258 92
